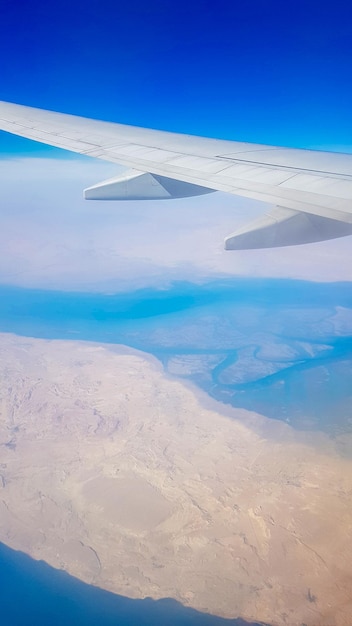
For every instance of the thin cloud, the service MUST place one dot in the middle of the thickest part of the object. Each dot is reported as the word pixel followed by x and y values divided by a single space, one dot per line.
pixel 52 238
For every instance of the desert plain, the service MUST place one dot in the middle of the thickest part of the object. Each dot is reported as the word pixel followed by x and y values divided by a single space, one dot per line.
pixel 133 481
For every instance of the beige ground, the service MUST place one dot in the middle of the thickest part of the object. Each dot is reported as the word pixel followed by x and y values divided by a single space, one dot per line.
pixel 129 480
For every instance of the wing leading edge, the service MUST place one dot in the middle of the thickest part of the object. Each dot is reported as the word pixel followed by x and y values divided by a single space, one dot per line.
pixel 310 190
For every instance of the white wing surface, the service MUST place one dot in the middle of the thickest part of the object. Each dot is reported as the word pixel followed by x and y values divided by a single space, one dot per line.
pixel 311 191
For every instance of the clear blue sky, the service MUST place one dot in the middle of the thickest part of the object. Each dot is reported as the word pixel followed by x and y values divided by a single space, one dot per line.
pixel 255 70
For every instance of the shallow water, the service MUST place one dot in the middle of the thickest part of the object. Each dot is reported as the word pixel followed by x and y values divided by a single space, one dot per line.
pixel 282 348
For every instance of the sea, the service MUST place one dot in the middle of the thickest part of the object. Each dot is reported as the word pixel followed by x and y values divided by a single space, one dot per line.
pixel 34 594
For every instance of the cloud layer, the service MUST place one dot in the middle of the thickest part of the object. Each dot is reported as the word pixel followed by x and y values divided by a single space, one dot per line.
pixel 51 238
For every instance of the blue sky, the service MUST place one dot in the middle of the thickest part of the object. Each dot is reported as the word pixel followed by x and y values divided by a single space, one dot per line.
pixel 256 70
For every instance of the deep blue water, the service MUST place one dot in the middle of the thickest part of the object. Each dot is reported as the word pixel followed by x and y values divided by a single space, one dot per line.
pixel 272 346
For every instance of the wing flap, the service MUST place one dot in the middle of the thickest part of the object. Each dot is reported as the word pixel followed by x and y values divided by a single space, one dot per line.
pixel 284 227
pixel 135 185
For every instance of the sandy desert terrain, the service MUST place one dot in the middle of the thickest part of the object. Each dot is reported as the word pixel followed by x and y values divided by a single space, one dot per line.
pixel 135 482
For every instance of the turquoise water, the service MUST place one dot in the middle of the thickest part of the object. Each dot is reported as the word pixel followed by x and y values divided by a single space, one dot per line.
pixel 280 347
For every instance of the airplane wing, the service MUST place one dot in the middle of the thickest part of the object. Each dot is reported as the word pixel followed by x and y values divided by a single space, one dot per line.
pixel 311 190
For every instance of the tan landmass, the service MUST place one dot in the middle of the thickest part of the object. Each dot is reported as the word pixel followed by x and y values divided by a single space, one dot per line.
pixel 128 480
